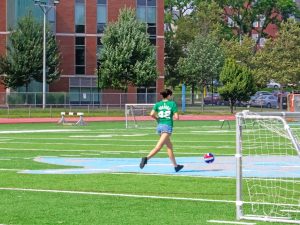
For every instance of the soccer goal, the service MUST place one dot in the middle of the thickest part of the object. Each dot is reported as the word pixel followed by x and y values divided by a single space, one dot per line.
pixel 268 168
pixel 138 115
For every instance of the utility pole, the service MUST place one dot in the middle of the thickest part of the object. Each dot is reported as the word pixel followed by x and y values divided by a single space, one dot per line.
pixel 45 6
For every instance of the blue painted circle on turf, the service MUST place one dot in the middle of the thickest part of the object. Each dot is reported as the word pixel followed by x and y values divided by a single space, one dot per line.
pixel 223 166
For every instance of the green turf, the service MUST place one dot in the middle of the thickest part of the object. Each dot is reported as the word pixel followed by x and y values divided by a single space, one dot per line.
pixel 190 138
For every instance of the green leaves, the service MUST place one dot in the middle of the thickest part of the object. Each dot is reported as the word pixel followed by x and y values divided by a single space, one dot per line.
pixel 203 62
pixel 238 82
pixel 128 57
pixel 280 58
pixel 24 60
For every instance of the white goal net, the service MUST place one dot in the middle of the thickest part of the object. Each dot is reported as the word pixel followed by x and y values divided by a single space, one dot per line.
pixel 138 115
pixel 268 168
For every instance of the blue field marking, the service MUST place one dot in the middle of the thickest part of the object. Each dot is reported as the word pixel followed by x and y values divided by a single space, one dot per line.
pixel 223 166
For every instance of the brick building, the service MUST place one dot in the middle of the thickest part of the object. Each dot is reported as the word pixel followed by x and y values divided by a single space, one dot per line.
pixel 79 26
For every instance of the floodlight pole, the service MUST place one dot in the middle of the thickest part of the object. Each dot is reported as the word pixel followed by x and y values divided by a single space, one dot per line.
pixel 45 7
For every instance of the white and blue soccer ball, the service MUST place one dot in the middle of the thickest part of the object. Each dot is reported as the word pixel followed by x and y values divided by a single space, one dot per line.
pixel 209 158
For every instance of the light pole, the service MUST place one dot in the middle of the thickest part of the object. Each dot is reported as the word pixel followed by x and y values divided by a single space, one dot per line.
pixel 46 7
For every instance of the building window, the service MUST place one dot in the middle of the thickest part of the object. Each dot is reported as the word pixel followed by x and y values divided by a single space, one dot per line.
pixel 51 19
pixel 99 48
pixel 262 42
pixel 80 16
pixel 101 15
pixel 80 55
pixel 146 95
pixel 254 37
pixel 83 90
pixel 146 12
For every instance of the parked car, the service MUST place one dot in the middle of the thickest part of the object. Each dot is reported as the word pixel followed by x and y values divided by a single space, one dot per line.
pixel 214 99
pixel 258 94
pixel 273 84
pixel 268 101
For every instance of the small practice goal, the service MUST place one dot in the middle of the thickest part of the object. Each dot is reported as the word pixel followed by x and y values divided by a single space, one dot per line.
pixel 138 115
pixel 268 168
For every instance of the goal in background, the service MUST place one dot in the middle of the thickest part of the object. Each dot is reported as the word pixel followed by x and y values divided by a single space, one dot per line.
pixel 268 168
pixel 138 115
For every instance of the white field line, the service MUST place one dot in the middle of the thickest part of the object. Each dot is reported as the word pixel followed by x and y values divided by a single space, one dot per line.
pixel 37 131
pixel 4 169
pixel 113 144
pixel 125 140
pixel 139 174
pixel 106 152
pixel 170 175
pixel 108 140
pixel 117 195
pixel 229 222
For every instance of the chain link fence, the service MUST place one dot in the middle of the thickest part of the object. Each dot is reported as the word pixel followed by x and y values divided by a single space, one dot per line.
pixel 18 104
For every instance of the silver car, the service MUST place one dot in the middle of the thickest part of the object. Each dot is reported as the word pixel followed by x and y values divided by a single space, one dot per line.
pixel 268 101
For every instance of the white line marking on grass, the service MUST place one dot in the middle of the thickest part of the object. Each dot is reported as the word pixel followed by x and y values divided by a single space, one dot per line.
pixel 5 159
pixel 117 195
pixel 108 135
pixel 213 131
pixel 36 131
pixel 115 144
pixel 94 136
pixel 91 154
pixel 4 169
pixel 229 222
pixel 123 140
pixel 171 175
pixel 103 151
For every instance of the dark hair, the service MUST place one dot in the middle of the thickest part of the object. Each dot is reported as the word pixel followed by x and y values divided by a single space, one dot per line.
pixel 165 93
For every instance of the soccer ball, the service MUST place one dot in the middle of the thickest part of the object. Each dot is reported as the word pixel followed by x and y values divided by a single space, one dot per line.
pixel 209 157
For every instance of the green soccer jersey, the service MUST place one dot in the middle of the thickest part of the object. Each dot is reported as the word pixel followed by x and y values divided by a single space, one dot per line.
pixel 165 111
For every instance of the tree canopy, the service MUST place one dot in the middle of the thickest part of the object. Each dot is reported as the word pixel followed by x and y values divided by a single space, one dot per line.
pixel 203 62
pixel 128 58
pixel 280 57
pixel 243 14
pixel 24 59
pixel 238 83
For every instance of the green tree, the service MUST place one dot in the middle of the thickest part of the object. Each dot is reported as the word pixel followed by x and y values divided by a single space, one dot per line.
pixel 203 62
pixel 204 19
pixel 128 58
pixel 242 53
pixel 245 13
pixel 24 59
pixel 280 58
pixel 238 83
pixel 173 51
pixel 174 10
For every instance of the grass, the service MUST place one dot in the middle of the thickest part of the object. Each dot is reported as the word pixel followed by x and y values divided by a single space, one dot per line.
pixel 191 138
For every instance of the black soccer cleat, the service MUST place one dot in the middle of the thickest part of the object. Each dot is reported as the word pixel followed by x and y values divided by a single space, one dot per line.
pixel 178 168
pixel 143 162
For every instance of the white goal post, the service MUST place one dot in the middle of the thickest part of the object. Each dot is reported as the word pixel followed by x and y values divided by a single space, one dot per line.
pixel 268 167
pixel 135 113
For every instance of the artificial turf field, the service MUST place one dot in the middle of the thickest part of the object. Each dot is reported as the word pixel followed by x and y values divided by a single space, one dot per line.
pixel 106 197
